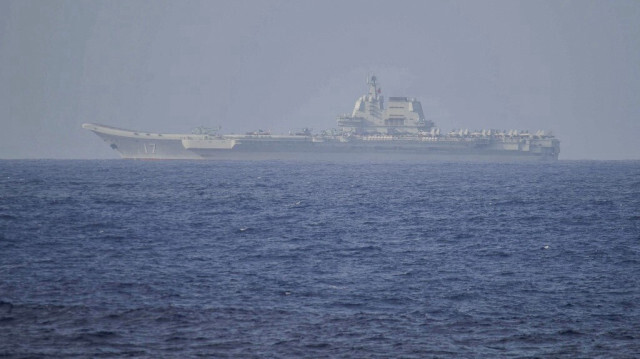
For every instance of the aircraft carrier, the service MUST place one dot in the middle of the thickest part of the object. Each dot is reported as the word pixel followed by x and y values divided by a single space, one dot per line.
pixel 373 130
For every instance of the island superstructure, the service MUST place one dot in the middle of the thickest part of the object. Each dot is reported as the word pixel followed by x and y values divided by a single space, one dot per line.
pixel 397 130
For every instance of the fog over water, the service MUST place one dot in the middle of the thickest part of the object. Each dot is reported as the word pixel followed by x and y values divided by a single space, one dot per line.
pixel 567 66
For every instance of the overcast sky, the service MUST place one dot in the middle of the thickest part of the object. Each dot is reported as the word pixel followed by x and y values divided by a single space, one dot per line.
pixel 572 67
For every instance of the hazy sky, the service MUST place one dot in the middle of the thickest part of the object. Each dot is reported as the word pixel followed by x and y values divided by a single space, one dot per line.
pixel 168 66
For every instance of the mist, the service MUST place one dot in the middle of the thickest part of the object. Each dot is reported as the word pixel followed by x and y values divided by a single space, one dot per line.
pixel 566 66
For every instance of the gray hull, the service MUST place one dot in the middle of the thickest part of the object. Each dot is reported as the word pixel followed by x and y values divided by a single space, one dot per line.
pixel 149 148
pixel 155 146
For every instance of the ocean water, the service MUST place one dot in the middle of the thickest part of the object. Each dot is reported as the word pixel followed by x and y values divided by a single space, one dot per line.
pixel 310 260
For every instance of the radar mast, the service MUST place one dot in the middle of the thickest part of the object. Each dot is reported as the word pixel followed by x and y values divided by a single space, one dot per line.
pixel 374 91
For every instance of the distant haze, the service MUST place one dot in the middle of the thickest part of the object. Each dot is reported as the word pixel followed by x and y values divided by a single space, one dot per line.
pixel 572 67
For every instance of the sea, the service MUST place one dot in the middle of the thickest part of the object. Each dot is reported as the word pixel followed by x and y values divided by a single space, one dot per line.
pixel 285 259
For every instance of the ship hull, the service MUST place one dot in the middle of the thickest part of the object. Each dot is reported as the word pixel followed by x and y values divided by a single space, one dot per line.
pixel 359 156
pixel 156 146
pixel 166 149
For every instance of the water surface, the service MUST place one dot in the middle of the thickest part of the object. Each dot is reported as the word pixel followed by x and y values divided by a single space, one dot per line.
pixel 292 259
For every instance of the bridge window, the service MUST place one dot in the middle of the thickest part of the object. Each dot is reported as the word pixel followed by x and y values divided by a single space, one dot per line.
pixel 394 122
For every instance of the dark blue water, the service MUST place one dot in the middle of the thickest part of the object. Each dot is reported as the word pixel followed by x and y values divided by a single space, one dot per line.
pixel 284 259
